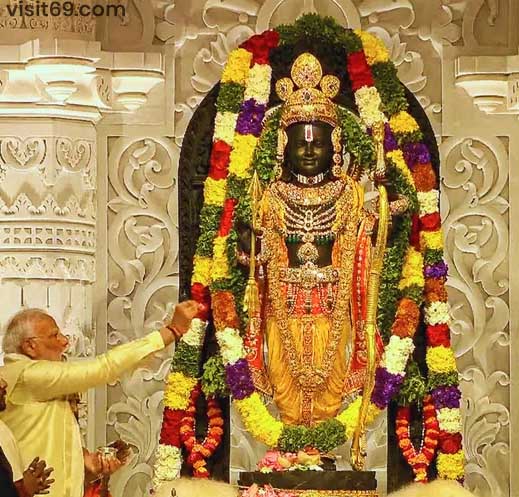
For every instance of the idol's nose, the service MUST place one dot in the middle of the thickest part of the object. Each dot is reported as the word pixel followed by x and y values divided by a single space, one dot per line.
pixel 309 149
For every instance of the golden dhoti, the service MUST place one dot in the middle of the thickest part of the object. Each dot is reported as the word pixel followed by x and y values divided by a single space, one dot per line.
pixel 310 337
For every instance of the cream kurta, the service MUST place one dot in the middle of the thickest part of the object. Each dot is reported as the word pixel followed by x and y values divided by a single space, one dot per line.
pixel 40 417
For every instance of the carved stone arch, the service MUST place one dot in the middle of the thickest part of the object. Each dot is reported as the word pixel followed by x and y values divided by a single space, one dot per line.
pixel 350 14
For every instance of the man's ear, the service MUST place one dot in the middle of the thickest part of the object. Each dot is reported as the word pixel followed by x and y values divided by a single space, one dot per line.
pixel 28 348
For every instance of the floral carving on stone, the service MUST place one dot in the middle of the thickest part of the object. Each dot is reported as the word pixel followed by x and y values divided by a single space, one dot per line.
pixel 22 153
pixel 476 226
pixel 77 155
pixel 143 287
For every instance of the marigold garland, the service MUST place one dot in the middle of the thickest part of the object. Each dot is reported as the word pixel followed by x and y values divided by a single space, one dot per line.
pixel 418 460
pixel 199 452
pixel 242 148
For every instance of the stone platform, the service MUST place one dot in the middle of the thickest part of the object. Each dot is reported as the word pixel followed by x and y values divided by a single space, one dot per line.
pixel 316 483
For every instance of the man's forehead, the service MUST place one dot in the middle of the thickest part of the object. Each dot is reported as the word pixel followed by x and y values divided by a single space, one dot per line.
pixel 44 322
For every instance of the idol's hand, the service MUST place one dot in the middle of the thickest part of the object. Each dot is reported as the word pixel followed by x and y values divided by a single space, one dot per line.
pixel 244 231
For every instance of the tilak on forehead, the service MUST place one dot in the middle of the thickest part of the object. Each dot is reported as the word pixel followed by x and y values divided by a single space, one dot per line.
pixel 309 133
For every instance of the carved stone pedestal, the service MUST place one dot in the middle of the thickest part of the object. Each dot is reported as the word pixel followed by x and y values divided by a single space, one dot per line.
pixel 316 483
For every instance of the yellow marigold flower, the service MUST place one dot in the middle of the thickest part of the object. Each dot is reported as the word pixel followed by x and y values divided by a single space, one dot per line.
pixel 412 272
pixel 202 270
pixel 258 421
pixel 374 47
pixel 440 359
pixel 431 239
pixel 403 123
pixel 214 191
pixel 350 416
pixel 237 67
pixel 178 389
pixel 451 466
pixel 220 266
pixel 397 157
pixel 241 155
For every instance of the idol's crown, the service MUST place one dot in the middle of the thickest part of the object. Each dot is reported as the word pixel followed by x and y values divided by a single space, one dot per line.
pixel 308 103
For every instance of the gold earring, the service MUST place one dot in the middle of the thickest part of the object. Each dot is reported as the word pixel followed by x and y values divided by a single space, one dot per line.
pixel 280 153
pixel 282 143
pixel 337 152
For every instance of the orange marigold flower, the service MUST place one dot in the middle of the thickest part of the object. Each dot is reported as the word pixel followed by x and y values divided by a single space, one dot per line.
pixel 424 177
pixel 435 290
pixel 199 464
pixel 407 318
pixel 404 443
pixel 205 452
pixel 224 311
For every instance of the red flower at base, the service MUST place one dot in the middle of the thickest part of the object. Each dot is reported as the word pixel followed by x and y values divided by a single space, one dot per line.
pixel 94 490
pixel 419 461
pixel 198 453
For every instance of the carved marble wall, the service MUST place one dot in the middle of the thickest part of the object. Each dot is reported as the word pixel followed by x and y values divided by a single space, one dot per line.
pixel 142 75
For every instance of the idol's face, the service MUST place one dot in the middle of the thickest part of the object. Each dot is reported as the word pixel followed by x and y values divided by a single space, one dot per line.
pixel 309 149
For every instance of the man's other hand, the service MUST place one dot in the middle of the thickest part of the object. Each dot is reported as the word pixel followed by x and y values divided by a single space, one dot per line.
pixel 36 478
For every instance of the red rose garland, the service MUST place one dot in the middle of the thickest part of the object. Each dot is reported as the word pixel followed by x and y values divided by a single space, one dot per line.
pixel 419 461
pixel 199 453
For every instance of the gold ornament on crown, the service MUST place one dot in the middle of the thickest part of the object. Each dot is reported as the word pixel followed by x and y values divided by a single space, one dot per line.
pixel 308 103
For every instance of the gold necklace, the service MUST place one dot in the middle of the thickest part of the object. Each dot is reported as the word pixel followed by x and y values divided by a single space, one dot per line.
pixel 316 195
pixel 309 215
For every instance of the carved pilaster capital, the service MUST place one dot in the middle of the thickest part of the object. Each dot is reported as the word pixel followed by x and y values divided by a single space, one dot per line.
pixel 491 81
pixel 74 79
